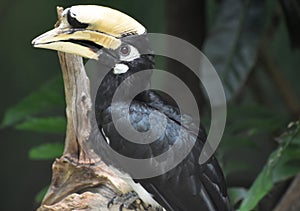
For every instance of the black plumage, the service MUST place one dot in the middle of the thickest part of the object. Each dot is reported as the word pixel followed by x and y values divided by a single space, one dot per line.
pixel 121 46
pixel 188 186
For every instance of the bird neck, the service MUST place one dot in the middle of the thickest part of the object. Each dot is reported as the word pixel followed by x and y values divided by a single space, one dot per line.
pixel 130 81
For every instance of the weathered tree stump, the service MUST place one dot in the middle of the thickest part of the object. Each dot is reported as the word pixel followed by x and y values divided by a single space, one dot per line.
pixel 80 180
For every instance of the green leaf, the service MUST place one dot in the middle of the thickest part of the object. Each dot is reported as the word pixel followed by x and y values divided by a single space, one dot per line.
pixel 289 163
pixel 296 141
pixel 46 98
pixel 262 185
pixel 267 178
pixel 232 43
pixel 50 125
pixel 236 194
pixel 286 171
pixel 46 151
pixel 39 197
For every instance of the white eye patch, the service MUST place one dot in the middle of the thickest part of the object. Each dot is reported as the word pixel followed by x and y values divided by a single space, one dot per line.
pixel 128 53
pixel 120 68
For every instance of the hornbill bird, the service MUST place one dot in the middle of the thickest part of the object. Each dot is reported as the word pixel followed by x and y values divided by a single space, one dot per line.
pixel 116 41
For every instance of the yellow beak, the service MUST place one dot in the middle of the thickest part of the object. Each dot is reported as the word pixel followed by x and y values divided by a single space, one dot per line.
pixel 85 43
pixel 104 28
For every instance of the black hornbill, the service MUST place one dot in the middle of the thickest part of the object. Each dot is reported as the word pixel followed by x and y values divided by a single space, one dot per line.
pixel 113 38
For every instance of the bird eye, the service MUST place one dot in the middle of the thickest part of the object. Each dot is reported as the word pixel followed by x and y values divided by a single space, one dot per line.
pixel 74 22
pixel 128 53
pixel 125 50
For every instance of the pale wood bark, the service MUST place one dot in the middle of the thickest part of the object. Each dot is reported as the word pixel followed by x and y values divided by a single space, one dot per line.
pixel 80 179
pixel 291 199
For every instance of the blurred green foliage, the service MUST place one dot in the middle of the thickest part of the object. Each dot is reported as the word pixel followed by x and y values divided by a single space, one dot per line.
pixel 46 151
pixel 47 98
pixel 282 164
pixel 238 23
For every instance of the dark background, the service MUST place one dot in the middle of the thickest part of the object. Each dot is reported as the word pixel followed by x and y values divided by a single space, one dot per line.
pixel 24 69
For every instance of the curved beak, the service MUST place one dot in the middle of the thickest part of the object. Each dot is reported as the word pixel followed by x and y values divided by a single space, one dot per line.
pixel 85 43
pixel 85 29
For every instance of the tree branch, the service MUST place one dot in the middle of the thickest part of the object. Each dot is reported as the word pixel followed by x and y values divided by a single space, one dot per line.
pixel 290 201
pixel 80 180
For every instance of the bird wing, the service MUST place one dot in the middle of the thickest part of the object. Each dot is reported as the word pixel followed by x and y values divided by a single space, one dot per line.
pixel 189 185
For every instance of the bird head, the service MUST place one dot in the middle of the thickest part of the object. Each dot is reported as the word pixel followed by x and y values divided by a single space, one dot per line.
pixel 97 32
pixel 116 40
